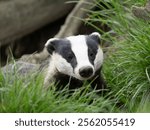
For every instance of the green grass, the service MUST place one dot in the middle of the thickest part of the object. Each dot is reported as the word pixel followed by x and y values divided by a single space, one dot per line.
pixel 27 95
pixel 127 66
pixel 126 69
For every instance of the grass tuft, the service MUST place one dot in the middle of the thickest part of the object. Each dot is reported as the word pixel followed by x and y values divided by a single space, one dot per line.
pixel 26 94
pixel 127 66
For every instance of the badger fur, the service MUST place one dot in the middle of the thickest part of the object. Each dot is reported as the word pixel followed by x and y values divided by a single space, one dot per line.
pixel 75 59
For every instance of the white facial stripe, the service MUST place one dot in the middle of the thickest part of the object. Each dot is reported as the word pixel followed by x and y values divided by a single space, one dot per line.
pixel 62 65
pixel 80 50
pixel 98 59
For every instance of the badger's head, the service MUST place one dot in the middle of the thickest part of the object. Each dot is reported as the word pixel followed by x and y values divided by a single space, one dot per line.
pixel 77 56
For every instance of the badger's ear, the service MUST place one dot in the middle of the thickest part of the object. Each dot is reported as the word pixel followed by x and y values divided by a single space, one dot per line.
pixel 96 36
pixel 51 45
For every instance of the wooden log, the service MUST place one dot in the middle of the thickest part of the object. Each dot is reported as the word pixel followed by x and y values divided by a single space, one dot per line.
pixel 21 17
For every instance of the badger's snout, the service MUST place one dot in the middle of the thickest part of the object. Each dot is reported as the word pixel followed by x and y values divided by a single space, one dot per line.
pixel 86 72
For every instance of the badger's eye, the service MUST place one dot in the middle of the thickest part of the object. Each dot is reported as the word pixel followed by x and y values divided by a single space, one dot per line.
pixel 91 54
pixel 69 56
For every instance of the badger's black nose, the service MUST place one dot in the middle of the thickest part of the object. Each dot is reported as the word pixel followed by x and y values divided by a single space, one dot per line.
pixel 85 72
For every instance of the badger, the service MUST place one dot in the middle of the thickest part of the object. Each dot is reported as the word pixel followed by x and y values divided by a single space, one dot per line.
pixel 75 59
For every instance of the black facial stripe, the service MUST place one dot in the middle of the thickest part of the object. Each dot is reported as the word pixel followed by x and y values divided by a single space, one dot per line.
pixel 92 49
pixel 66 52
